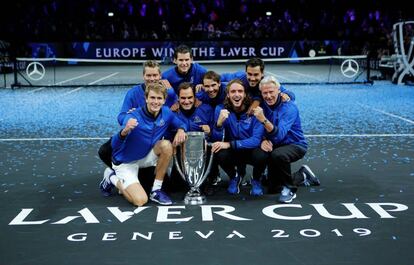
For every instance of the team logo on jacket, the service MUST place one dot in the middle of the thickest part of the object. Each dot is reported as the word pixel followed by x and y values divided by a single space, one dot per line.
pixel 197 119
pixel 248 120
pixel 161 123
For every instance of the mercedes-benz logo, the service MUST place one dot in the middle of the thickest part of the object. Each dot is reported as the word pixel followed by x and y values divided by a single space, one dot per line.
pixel 349 68
pixel 35 71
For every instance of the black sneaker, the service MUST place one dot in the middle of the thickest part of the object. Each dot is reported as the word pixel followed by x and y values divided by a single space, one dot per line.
pixel 309 177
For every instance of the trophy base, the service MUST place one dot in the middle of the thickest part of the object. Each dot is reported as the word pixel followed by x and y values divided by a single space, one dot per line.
pixel 194 198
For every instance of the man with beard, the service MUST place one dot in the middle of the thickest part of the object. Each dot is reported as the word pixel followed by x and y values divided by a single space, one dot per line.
pixel 284 142
pixel 213 91
pixel 241 135
pixel 251 77
pixel 139 144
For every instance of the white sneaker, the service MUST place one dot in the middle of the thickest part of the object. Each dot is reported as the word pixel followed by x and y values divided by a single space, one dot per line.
pixel 286 195
pixel 108 172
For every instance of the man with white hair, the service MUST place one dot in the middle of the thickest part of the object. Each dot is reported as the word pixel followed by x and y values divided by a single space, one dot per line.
pixel 284 141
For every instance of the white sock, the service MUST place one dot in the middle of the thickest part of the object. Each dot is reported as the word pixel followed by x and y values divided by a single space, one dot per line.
pixel 114 179
pixel 157 185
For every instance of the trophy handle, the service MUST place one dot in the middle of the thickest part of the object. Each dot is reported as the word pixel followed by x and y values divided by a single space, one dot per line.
pixel 207 171
pixel 177 166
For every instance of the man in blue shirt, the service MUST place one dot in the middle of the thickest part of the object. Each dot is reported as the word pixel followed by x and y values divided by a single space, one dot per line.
pixel 135 98
pixel 213 91
pixel 185 70
pixel 284 141
pixel 251 77
pixel 197 118
pixel 238 136
pixel 139 144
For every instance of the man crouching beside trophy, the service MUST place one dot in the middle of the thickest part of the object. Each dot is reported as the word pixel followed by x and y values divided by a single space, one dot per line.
pixel 191 159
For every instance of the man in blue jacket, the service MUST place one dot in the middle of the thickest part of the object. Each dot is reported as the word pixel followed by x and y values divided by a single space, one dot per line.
pixel 238 136
pixel 213 91
pixel 185 70
pixel 197 118
pixel 135 98
pixel 284 141
pixel 139 144
pixel 251 77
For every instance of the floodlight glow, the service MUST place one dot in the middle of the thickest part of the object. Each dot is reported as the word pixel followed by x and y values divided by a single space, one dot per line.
pixel 110 14
pixel 268 13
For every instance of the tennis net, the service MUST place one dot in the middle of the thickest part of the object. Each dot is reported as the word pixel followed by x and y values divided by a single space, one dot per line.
pixel 70 72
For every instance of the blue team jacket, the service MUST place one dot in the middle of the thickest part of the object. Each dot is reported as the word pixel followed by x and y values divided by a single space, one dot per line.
pixel 254 92
pixel 137 144
pixel 135 98
pixel 203 115
pixel 288 130
pixel 194 76
pixel 219 99
pixel 242 133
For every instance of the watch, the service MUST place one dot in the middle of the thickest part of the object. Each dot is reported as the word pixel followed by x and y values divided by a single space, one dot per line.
pixel 265 121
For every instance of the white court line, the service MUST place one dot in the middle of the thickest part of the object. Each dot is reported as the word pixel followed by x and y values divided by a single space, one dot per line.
pixel 53 139
pixel 306 135
pixel 64 81
pixel 358 135
pixel 387 113
pixel 279 76
pixel 305 75
pixel 91 83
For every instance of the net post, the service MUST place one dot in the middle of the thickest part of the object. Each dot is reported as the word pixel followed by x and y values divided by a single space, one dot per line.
pixel 14 58
pixel 369 68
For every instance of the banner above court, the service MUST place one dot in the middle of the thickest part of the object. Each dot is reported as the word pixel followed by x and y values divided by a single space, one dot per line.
pixel 163 51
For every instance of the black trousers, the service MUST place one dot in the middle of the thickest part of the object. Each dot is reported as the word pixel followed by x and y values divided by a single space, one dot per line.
pixel 279 167
pixel 105 153
pixel 232 161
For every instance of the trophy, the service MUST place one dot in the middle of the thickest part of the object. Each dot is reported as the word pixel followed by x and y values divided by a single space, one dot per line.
pixel 192 165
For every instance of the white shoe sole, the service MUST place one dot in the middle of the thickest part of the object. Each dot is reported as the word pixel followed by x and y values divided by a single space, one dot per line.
pixel 289 201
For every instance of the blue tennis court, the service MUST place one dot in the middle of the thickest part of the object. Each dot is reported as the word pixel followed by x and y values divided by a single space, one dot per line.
pixel 361 140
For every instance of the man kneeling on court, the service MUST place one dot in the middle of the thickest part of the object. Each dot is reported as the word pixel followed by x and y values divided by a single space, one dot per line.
pixel 284 142
pixel 139 145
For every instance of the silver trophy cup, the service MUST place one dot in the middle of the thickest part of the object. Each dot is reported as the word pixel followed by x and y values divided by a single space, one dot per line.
pixel 192 165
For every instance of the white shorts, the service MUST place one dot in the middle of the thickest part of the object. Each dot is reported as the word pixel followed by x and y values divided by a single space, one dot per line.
pixel 128 172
